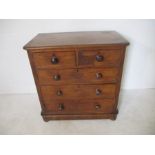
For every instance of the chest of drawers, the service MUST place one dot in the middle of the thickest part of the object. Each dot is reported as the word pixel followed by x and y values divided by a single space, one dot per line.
pixel 77 74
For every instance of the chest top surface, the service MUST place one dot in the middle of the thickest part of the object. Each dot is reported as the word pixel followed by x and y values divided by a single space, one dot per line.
pixel 45 40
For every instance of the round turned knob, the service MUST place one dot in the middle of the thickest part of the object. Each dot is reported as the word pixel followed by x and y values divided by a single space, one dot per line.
pixel 98 106
pixel 54 60
pixel 59 93
pixel 98 92
pixel 99 58
pixel 61 107
pixel 56 77
pixel 98 75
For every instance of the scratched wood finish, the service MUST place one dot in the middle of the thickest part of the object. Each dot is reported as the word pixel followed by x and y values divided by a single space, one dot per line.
pixel 78 74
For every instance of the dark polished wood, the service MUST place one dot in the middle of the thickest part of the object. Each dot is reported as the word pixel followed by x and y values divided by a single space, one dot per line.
pixel 78 74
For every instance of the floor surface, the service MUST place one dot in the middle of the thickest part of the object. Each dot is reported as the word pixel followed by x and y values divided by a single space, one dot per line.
pixel 20 114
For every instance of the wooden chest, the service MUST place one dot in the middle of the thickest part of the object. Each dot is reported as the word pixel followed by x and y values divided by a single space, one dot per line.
pixel 77 74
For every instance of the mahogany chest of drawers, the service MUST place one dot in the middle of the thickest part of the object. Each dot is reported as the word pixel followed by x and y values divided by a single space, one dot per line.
pixel 77 74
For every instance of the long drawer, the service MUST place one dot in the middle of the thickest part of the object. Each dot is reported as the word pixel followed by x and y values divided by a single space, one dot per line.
pixel 79 106
pixel 78 92
pixel 77 76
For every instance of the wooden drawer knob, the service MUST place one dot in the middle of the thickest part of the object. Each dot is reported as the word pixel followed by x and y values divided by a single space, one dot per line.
pixel 54 60
pixel 98 92
pixel 56 77
pixel 59 93
pixel 61 107
pixel 98 75
pixel 98 106
pixel 99 58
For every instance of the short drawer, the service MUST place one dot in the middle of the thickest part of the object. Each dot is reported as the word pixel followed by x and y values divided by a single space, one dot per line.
pixel 51 59
pixel 79 106
pixel 99 58
pixel 74 76
pixel 78 91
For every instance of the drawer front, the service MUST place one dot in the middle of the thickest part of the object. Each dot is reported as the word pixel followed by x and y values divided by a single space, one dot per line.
pixel 79 106
pixel 99 58
pixel 74 76
pixel 78 91
pixel 53 59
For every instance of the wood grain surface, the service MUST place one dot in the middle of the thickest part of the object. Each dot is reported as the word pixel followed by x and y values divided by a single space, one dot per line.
pixel 78 74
